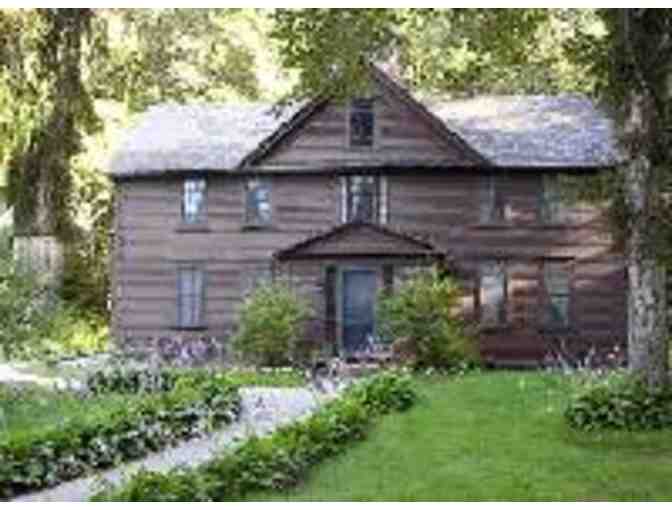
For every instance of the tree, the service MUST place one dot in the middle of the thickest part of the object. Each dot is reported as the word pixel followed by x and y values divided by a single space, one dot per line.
pixel 641 79
pixel 64 76
pixel 454 51
pixel 626 53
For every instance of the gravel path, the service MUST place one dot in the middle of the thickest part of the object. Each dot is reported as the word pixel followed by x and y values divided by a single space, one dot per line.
pixel 263 410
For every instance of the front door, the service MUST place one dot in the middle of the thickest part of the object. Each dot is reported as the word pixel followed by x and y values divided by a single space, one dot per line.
pixel 359 294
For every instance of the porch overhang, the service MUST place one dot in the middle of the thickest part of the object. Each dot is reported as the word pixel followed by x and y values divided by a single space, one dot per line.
pixel 361 240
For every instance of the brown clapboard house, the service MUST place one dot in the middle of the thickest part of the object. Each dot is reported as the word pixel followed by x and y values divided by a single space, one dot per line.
pixel 346 199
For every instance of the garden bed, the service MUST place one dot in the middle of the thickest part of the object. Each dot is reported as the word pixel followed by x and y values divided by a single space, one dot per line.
pixel 53 437
pixel 278 461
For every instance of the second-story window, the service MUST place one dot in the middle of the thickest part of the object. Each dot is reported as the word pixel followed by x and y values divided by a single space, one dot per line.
pixel 194 201
pixel 258 202
pixel 362 119
pixel 361 199
pixel 493 206
pixel 552 208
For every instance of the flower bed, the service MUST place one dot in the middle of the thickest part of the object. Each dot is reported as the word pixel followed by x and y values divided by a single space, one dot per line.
pixel 129 380
pixel 280 460
pixel 46 457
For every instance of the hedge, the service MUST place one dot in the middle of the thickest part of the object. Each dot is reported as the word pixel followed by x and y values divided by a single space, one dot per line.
pixel 278 461
pixel 149 423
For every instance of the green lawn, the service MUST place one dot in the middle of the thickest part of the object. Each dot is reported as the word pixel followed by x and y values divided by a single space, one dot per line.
pixel 496 436
pixel 42 409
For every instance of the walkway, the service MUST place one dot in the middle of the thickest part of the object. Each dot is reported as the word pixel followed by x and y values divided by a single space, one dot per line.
pixel 263 410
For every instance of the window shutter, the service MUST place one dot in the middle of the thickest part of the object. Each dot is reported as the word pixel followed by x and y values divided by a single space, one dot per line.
pixel 488 201
pixel 388 278
pixel 330 305
pixel 384 200
pixel 344 199
pixel 199 297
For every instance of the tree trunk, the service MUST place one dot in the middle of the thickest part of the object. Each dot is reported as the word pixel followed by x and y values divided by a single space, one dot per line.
pixel 647 310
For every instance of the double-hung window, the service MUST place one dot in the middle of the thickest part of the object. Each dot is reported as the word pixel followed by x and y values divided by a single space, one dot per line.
pixel 194 194
pixel 493 206
pixel 558 292
pixel 552 208
pixel 255 278
pixel 493 291
pixel 258 202
pixel 363 199
pixel 190 296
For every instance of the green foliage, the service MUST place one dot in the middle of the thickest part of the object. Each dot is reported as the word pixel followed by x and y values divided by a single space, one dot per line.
pixel 158 55
pixel 40 182
pixel 421 314
pixel 25 304
pixel 34 322
pixel 48 456
pixel 281 460
pixel 620 401
pixel 504 422
pixel 453 51
pixel 271 324
pixel 73 331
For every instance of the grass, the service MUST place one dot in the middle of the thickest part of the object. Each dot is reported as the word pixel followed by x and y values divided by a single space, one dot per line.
pixel 494 436
pixel 37 409
pixel 40 409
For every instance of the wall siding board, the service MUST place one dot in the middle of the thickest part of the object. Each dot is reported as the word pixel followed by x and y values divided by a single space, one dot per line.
pixel 442 207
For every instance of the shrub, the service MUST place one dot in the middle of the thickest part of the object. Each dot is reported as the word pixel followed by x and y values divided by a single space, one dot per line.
pixel 280 460
pixel 34 320
pixel 271 323
pixel 420 317
pixel 46 457
pixel 620 401
pixel 73 331
pixel 25 304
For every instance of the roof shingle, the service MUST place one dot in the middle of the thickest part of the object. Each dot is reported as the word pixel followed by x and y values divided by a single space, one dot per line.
pixel 522 131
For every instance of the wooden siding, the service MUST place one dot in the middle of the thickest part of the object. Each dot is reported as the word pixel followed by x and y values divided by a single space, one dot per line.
pixel 443 207
pixel 400 135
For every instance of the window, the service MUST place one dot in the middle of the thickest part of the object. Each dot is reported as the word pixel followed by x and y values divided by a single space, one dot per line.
pixel 557 288
pixel 552 209
pixel 362 199
pixel 493 208
pixel 361 123
pixel 190 296
pixel 258 202
pixel 255 278
pixel 193 201
pixel 493 293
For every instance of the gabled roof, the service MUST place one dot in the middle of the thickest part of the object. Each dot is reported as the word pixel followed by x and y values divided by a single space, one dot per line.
pixel 359 239
pixel 452 137
pixel 173 138
pixel 536 131
pixel 565 131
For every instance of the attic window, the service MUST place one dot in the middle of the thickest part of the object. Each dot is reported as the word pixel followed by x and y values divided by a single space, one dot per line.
pixel 361 123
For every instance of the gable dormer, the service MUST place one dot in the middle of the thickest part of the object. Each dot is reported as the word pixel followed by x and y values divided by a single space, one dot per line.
pixel 386 128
